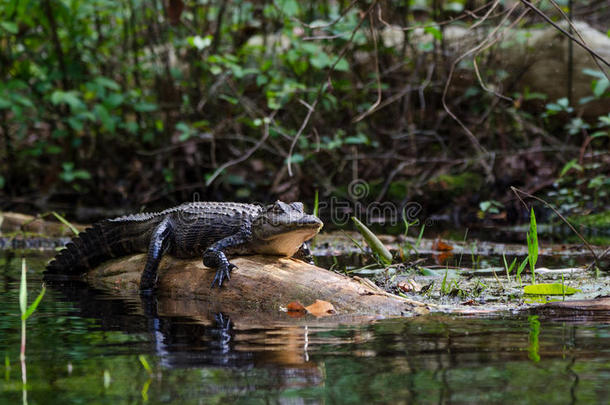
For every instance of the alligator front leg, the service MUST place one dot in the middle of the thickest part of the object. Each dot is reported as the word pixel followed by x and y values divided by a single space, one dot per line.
pixel 304 253
pixel 215 257
pixel 160 242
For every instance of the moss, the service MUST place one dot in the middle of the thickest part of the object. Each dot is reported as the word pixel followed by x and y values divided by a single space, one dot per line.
pixel 458 183
pixel 599 220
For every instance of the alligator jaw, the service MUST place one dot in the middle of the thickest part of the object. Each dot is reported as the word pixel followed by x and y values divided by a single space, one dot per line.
pixel 287 243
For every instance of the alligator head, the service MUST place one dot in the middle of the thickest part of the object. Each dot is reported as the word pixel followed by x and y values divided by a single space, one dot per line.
pixel 281 229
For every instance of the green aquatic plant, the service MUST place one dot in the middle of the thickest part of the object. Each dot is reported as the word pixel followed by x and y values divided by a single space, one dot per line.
pixel 444 289
pixel 26 312
pixel 520 269
pixel 413 247
pixel 549 289
pixel 507 267
pixel 532 245
pixel 65 222
pixel 374 243
pixel 534 344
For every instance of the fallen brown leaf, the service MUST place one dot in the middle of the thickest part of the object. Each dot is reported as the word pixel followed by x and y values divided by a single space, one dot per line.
pixel 321 308
pixel 441 246
pixel 295 306
pixel 442 257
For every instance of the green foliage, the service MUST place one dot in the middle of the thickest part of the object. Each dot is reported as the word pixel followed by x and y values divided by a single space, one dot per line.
pixel 115 93
pixel 521 267
pixel 600 85
pixel 549 289
pixel 145 364
pixel 561 105
pixel 490 207
pixel 27 311
pixel 532 245
pixel 534 342
pixel 572 164
pixel 507 267
pixel 66 222
pixel 374 243
pixel 69 174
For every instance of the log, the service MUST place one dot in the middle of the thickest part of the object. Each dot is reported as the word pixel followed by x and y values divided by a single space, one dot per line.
pixel 258 284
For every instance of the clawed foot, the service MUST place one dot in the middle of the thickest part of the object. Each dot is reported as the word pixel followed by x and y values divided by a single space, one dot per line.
pixel 223 273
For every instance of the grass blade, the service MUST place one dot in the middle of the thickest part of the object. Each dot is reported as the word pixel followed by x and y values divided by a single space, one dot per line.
pixel 532 245
pixel 34 305
pixel 65 222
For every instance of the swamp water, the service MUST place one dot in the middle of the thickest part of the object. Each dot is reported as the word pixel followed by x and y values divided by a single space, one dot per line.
pixel 86 346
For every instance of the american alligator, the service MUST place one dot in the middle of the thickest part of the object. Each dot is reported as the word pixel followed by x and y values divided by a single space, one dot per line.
pixel 209 229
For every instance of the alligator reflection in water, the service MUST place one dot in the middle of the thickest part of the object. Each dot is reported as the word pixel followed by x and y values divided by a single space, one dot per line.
pixel 202 340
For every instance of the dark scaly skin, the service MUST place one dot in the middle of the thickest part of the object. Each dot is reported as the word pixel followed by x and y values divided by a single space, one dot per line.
pixel 211 230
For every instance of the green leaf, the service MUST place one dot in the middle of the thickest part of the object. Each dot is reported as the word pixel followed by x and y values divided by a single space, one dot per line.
pixel 604 120
pixel 435 32
pixel 261 80
pixel 532 244
pixel 572 164
pixel 145 364
pixel 373 241
pixel 4 103
pixel 65 222
pixel 549 289
pixel 342 65
pixel 114 100
pixel 81 174
pixel 108 83
pixel 297 158
pixel 595 73
pixel 145 107
pixel 9 27
pixel 522 266
pixel 34 305
pixel 506 266
pixel 600 87
pixel 199 42
pixel 67 97
pixel 76 123
pixel 104 117
pixel 288 7
pixel 454 6
pixel 320 60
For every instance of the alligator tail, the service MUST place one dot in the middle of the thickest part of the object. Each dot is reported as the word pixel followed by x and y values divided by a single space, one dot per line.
pixel 101 242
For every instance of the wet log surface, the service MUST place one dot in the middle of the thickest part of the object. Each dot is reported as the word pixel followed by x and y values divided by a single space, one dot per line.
pixel 260 283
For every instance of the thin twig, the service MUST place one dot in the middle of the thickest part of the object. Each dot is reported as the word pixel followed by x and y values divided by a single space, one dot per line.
pixel 330 24
pixel 377 74
pixel 577 33
pixel 465 14
pixel 469 133
pixel 245 155
pixel 564 32
pixel 492 8
pixel 323 87
pixel 517 191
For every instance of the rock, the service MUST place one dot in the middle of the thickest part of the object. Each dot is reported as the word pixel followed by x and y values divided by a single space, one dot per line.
pixel 11 222
pixel 541 57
